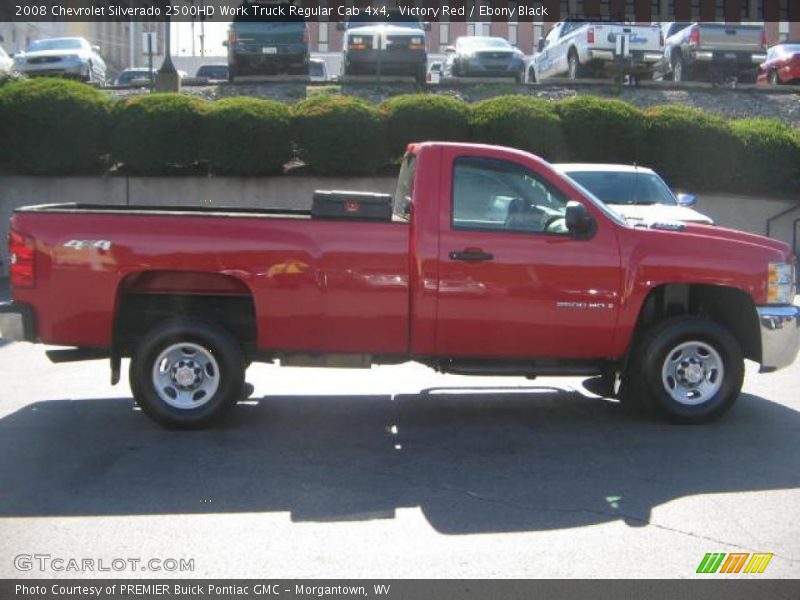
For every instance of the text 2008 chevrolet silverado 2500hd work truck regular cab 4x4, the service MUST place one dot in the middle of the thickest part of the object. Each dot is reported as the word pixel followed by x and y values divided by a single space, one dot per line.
pixel 492 263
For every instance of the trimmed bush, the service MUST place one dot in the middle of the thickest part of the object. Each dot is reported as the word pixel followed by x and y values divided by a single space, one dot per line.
pixel 53 127
pixel 520 122
pixel 770 159
pixel 601 130
pixel 158 134
pixel 424 117
pixel 340 135
pixel 690 148
pixel 248 136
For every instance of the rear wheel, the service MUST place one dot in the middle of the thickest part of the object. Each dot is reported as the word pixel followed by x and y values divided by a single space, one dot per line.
pixel 576 69
pixel 678 68
pixel 187 374
pixel 687 369
pixel 774 79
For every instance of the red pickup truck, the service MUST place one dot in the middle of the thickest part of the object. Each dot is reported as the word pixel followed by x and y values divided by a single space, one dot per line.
pixel 488 262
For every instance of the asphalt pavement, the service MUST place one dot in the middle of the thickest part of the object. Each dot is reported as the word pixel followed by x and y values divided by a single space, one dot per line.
pixel 391 472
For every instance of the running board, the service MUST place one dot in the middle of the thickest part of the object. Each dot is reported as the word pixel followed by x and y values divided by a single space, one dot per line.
pixel 492 368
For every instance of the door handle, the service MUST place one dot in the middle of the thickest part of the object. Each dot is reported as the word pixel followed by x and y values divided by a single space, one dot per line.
pixel 471 254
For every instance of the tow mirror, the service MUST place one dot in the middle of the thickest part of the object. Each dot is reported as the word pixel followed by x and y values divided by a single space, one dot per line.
pixel 96 49
pixel 541 45
pixel 450 49
pixel 686 199
pixel 578 221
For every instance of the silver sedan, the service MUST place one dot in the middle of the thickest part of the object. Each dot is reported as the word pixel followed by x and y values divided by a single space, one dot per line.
pixel 72 57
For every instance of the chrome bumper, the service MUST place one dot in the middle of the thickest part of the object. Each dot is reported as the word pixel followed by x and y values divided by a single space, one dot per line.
pixel 16 323
pixel 780 335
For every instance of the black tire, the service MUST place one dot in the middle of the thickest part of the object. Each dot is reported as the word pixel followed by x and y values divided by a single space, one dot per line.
pixel 646 384
pixel 679 69
pixel 227 368
pixel 531 74
pixel 575 70
pixel 89 74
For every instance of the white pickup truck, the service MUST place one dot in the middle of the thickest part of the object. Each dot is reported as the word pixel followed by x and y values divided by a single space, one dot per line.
pixel 585 49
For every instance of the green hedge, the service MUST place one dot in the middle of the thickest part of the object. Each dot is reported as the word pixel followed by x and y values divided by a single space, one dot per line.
pixel 520 122
pixel 248 136
pixel 690 148
pixel 340 135
pixel 158 134
pixel 53 127
pixel 770 156
pixel 601 129
pixel 424 117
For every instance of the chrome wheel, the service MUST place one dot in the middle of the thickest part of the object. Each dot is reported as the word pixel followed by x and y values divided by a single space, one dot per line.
pixel 692 373
pixel 573 66
pixel 186 376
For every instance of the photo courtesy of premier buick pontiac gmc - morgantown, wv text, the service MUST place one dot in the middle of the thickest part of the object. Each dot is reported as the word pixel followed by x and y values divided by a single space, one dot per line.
pixel 486 261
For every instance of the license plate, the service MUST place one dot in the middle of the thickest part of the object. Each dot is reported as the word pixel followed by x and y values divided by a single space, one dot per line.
pixel 730 55
pixel 269 50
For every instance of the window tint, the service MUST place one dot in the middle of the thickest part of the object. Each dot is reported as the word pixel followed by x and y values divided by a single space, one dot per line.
pixel 500 195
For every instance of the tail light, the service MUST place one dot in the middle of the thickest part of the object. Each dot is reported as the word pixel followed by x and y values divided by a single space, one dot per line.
pixel 305 36
pixel 661 38
pixel 694 36
pixel 590 35
pixel 232 39
pixel 764 38
pixel 23 265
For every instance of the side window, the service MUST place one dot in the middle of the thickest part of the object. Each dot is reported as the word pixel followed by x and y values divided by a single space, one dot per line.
pixel 496 195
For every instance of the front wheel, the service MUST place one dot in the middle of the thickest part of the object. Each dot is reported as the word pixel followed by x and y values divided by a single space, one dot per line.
pixel 187 374
pixel 687 369
pixel 576 70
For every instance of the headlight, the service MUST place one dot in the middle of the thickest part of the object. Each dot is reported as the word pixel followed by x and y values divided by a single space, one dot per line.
pixel 416 40
pixel 356 40
pixel 780 283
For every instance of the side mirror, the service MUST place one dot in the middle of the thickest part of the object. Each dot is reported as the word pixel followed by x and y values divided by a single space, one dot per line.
pixel 450 50
pixel 540 47
pixel 686 199
pixel 426 26
pixel 341 26
pixel 96 49
pixel 578 221
pixel 224 43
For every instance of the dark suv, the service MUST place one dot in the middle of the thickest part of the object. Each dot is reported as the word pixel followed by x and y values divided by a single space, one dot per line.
pixel 257 46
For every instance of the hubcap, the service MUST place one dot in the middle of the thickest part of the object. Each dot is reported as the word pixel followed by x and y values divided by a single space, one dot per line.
pixel 692 373
pixel 185 376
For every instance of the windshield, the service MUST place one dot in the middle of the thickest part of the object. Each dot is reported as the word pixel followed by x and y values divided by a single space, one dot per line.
pixel 392 18
pixel 613 187
pixel 128 76
pixel 479 42
pixel 67 44
pixel 213 71
pixel 316 69
pixel 790 48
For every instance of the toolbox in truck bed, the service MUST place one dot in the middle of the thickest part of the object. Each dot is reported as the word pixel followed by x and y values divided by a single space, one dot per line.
pixel 335 204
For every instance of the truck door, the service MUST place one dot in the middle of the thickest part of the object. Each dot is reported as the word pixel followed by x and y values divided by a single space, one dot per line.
pixel 512 281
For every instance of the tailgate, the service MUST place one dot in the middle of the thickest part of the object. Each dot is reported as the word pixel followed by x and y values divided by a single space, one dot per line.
pixel 731 38
pixel 642 37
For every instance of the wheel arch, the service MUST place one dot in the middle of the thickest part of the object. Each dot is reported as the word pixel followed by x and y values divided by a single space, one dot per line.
pixel 728 306
pixel 146 298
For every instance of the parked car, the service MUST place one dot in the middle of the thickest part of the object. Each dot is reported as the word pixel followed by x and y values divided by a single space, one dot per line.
pixel 782 65
pixel 555 283
pixel 136 76
pixel 212 73
pixel 435 72
pixel 318 70
pixel 71 57
pixel 275 47
pixel 579 49
pixel 711 51
pixel 6 62
pixel 391 45
pixel 634 192
pixel 484 56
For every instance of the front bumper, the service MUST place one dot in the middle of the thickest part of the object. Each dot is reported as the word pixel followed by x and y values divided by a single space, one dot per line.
pixel 62 67
pixel 389 60
pixel 741 58
pixel 780 335
pixel 17 323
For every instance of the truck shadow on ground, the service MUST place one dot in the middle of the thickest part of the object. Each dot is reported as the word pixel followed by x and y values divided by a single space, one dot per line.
pixel 472 461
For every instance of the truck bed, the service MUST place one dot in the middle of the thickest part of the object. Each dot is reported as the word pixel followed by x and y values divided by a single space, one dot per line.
pixel 323 285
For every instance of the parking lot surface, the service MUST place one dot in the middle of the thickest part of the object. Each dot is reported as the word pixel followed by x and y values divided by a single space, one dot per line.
pixel 392 472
